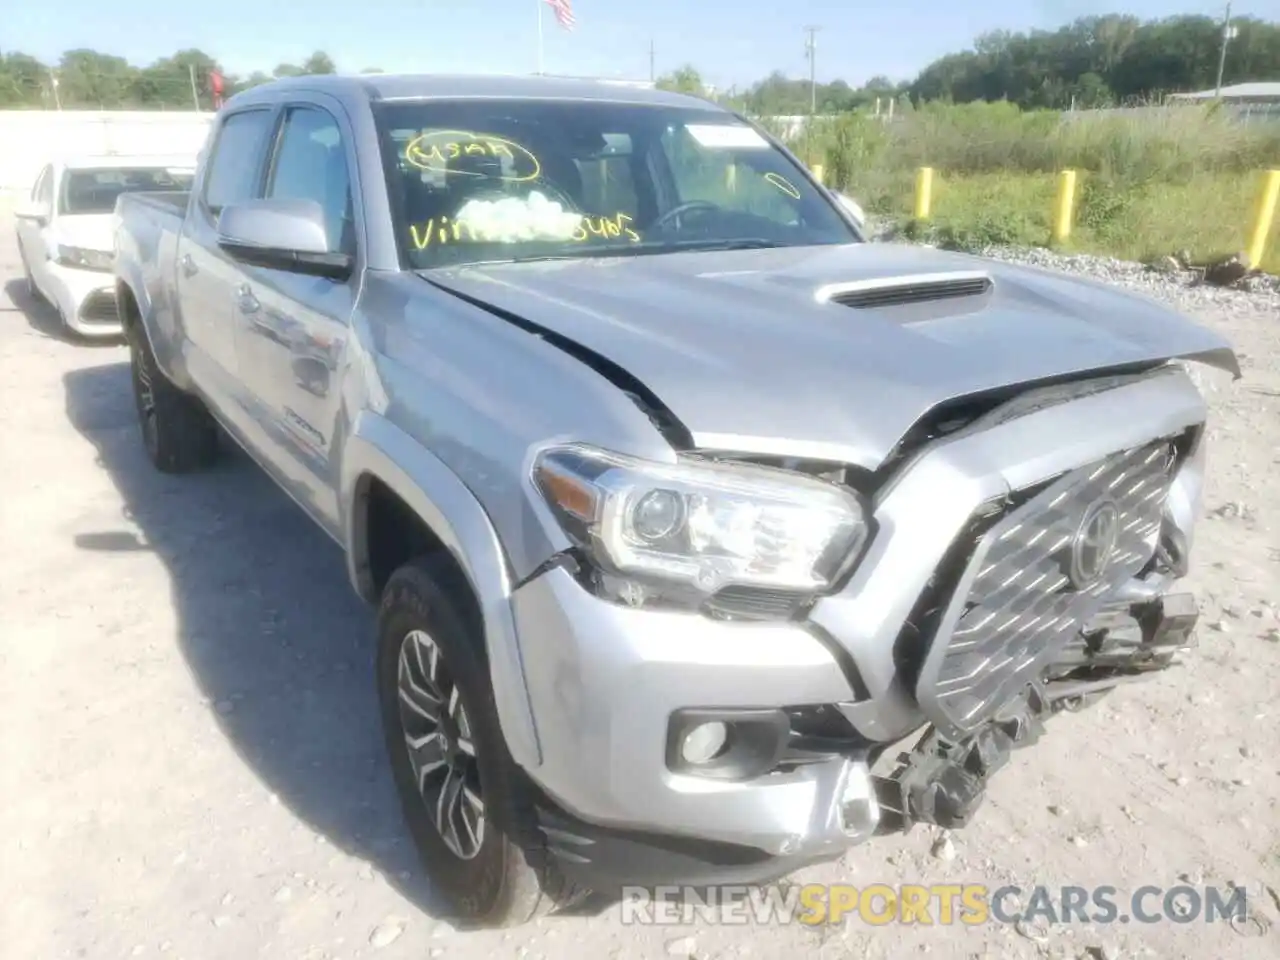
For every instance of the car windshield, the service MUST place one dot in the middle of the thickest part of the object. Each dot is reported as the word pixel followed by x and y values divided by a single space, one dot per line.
pixel 485 179
pixel 95 191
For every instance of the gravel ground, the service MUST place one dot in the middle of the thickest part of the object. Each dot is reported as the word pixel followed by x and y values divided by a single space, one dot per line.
pixel 191 767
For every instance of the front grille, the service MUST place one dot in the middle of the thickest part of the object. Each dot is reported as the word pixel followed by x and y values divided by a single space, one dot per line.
pixel 1033 580
pixel 100 307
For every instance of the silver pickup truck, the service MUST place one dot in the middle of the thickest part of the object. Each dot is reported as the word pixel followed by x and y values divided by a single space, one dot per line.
pixel 707 539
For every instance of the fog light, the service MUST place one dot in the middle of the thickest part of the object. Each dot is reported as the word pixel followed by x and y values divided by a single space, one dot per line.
pixel 704 742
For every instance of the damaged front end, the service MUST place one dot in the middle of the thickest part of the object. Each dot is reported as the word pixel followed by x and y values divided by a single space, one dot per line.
pixel 1053 599
pixel 942 781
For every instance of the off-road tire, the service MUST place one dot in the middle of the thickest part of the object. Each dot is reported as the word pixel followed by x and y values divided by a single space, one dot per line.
pixel 178 433
pixel 510 880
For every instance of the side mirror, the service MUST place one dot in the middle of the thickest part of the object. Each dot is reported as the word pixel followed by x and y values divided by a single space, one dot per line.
pixel 852 208
pixel 285 234
pixel 32 210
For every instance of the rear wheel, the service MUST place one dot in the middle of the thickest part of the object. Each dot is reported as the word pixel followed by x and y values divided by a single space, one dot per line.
pixel 465 801
pixel 177 431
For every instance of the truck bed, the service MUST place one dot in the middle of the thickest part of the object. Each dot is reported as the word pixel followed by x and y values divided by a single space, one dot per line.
pixel 148 229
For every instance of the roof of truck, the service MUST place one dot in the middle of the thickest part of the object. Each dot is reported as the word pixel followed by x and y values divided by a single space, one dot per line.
pixel 386 86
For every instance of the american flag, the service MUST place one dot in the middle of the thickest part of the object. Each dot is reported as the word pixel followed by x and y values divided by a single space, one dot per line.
pixel 564 12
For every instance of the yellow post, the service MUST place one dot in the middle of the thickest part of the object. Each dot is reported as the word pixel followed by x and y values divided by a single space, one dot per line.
pixel 1063 207
pixel 730 178
pixel 1263 216
pixel 817 172
pixel 924 192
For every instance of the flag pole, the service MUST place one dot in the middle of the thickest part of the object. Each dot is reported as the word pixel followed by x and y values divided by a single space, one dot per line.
pixel 539 2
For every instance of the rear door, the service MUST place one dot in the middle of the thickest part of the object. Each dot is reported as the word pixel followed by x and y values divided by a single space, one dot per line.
pixel 207 278
pixel 292 328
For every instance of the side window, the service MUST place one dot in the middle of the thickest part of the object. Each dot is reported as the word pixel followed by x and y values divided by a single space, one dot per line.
pixel 233 167
pixel 311 164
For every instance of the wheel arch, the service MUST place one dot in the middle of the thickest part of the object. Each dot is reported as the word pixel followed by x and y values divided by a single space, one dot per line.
pixel 400 501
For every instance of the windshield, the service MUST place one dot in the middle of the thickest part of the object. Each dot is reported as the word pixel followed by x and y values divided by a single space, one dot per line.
pixel 95 191
pixel 481 180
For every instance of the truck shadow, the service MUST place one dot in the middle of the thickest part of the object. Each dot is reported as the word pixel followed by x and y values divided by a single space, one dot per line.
pixel 43 318
pixel 277 641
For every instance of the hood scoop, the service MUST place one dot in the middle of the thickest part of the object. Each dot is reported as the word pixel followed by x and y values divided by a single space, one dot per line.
pixel 908 289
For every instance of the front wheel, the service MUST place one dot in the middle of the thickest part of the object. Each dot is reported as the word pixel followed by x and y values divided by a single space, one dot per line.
pixel 177 431
pixel 465 801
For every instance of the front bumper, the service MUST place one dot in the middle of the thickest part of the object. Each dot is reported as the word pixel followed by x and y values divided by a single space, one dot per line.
pixel 86 299
pixel 605 681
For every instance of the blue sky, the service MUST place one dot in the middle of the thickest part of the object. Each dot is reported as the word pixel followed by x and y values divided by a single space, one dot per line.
pixel 730 41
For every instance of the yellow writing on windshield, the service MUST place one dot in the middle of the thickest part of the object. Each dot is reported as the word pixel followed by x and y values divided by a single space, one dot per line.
pixel 607 227
pixel 783 184
pixel 439 231
pixel 433 151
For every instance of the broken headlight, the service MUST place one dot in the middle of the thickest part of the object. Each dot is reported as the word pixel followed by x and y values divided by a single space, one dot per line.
pixel 684 531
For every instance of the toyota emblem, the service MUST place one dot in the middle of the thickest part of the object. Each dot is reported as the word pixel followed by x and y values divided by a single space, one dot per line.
pixel 1094 544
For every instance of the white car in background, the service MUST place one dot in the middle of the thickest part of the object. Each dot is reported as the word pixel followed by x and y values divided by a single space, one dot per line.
pixel 66 232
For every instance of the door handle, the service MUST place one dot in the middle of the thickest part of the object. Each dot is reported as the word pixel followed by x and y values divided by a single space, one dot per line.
pixel 246 302
pixel 188 265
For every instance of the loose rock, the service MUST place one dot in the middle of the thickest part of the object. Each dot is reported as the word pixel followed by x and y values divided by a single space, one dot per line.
pixel 943 848
pixel 386 933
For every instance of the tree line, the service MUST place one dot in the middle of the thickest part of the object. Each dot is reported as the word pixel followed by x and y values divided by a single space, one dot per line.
pixel 88 79
pixel 1094 61
pixel 1110 60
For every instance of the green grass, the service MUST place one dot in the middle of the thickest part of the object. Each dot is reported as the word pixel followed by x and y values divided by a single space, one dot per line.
pixel 1150 183
pixel 1207 216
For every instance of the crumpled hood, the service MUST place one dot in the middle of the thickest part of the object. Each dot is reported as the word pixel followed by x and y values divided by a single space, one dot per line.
pixel 738 347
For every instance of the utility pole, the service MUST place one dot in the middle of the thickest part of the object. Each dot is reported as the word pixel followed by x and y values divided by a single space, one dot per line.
pixel 540 5
pixel 811 51
pixel 652 57
pixel 53 82
pixel 195 96
pixel 1228 34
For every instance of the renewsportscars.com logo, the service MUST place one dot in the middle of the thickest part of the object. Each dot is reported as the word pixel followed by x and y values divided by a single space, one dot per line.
pixel 968 904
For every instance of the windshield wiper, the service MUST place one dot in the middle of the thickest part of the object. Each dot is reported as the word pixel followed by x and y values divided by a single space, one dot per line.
pixel 737 243
pixel 680 246
pixel 642 248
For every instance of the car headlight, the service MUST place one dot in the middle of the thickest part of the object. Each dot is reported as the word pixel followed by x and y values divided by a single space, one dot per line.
pixel 85 259
pixel 684 531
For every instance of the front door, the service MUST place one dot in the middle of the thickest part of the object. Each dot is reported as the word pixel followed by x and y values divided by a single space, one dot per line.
pixel 292 329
